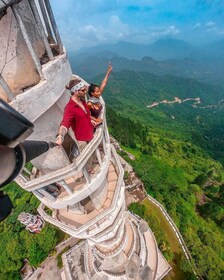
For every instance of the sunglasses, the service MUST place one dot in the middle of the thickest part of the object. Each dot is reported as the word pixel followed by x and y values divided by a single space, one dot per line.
pixel 83 90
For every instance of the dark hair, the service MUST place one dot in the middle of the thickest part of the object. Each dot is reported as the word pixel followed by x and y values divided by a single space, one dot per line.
pixel 71 84
pixel 91 89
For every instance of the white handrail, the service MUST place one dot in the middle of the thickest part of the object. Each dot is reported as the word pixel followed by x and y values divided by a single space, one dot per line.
pixel 65 172
pixel 119 195
pixel 69 170
pixel 86 190
pixel 120 247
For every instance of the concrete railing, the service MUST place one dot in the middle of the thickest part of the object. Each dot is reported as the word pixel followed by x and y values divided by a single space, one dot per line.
pixel 134 238
pixel 118 236
pixel 142 253
pixel 113 211
pixel 53 221
pixel 111 230
pixel 114 274
pixel 143 247
pixel 66 172
pixel 86 190
pixel 157 250
pixel 116 206
pixel 72 230
pixel 116 251
pixel 86 261
pixel 37 185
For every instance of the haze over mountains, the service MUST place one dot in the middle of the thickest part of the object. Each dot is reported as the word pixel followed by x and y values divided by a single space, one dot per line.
pixel 163 49
pixel 165 56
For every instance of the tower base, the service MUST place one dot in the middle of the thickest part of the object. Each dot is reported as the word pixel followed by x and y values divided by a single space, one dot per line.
pixel 145 262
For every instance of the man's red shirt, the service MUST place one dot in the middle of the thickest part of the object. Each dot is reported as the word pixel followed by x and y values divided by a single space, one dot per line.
pixel 78 120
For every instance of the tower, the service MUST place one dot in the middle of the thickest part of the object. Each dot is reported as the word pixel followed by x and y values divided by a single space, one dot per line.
pixel 34 71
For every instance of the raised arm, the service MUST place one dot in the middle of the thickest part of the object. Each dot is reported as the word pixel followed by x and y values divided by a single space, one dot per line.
pixel 104 82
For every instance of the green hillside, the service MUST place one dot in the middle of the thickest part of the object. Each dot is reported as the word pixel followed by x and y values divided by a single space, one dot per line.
pixel 176 157
pixel 129 93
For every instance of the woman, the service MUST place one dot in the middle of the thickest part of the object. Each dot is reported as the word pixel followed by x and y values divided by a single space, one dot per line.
pixel 95 92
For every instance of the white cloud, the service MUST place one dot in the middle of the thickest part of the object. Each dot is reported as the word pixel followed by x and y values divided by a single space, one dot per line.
pixel 149 35
pixel 115 20
pixel 90 35
pixel 88 29
pixel 170 30
pixel 221 32
pixel 117 29
pixel 93 34
pixel 196 26
pixel 210 24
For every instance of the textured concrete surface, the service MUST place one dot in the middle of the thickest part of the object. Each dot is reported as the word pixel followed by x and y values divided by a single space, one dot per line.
pixel 16 64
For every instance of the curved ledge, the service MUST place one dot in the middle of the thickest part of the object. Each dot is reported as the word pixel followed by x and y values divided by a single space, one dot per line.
pixel 116 208
pixel 86 190
pixel 66 172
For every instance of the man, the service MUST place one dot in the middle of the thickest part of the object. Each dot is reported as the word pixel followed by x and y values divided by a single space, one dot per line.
pixel 77 116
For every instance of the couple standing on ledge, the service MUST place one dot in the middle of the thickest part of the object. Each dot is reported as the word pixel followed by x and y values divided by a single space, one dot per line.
pixel 82 117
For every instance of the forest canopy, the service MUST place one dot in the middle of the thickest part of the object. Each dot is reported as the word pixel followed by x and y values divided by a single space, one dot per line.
pixel 179 159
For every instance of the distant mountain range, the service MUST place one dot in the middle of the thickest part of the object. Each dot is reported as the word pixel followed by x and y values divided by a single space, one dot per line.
pixel 162 49
pixel 167 56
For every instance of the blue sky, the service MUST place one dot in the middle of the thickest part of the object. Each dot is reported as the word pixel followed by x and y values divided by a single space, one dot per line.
pixel 91 22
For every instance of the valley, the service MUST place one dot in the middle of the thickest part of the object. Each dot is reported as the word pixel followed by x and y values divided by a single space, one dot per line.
pixel 178 159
